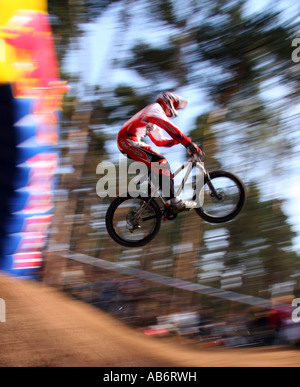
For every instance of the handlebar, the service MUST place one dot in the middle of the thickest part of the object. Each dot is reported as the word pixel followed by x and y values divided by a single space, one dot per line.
pixel 199 156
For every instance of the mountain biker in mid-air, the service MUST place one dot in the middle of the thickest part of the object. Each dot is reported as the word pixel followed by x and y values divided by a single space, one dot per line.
pixel 150 121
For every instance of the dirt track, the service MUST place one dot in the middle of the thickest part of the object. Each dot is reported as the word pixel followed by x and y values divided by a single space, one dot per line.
pixel 46 328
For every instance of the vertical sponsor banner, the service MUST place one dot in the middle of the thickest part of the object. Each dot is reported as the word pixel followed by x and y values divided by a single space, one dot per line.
pixel 30 102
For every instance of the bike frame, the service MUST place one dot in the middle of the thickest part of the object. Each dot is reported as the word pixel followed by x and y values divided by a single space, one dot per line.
pixel 193 161
pixel 135 214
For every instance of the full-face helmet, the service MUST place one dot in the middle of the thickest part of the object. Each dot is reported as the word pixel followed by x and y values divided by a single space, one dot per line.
pixel 171 102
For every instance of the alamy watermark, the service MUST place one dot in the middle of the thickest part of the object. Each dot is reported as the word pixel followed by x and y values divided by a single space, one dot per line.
pixel 131 177
pixel 296 51
pixel 296 311
pixel 2 311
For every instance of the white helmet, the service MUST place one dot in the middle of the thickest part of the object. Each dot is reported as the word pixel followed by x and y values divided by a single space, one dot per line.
pixel 171 101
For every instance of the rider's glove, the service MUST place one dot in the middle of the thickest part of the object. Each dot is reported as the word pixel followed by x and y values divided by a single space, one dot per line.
pixel 193 148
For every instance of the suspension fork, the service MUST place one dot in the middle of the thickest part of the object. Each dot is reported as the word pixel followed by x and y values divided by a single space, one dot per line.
pixel 207 180
pixel 213 192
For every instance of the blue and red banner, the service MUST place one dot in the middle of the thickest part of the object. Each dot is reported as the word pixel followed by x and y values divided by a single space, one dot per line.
pixel 30 103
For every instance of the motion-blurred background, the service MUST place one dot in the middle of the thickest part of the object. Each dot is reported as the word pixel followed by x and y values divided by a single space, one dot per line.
pixel 238 65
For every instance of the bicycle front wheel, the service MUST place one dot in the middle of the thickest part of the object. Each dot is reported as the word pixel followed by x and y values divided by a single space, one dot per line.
pixel 133 221
pixel 222 197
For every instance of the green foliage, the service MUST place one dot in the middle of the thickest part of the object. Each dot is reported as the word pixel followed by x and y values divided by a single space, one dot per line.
pixel 118 107
pixel 232 58
pixel 164 8
pixel 247 50
pixel 152 62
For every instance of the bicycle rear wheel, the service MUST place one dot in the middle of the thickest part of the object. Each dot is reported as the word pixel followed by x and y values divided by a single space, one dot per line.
pixel 133 221
pixel 222 197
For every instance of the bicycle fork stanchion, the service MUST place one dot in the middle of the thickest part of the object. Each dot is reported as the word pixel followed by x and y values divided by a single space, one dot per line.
pixel 213 192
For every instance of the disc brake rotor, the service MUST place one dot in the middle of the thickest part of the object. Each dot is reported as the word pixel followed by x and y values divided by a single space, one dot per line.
pixel 132 222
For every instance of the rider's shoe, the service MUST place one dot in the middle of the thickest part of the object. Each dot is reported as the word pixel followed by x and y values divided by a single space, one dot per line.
pixel 185 204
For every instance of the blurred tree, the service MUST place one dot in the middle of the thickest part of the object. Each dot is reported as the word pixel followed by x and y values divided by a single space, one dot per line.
pixel 260 242
pixel 153 63
pixel 164 10
pixel 118 106
pixel 245 49
pixel 216 47
pixel 243 53
pixel 66 17
pixel 204 135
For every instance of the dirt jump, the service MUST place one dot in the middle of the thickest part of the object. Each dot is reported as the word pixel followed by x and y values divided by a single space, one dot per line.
pixel 46 328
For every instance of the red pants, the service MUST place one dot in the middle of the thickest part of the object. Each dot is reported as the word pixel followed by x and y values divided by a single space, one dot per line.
pixel 156 162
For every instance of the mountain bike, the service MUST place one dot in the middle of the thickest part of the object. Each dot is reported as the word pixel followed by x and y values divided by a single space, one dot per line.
pixel 133 220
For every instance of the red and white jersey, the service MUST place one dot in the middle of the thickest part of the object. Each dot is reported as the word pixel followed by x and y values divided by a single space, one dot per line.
pixel 150 121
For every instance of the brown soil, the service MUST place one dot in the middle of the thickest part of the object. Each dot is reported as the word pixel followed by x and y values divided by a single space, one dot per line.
pixel 46 328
